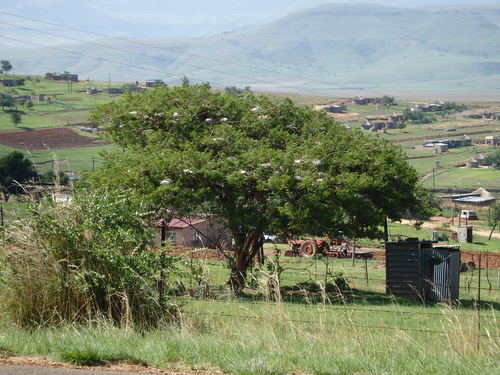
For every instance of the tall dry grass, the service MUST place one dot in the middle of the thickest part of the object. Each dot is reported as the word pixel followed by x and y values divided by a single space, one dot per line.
pixel 82 260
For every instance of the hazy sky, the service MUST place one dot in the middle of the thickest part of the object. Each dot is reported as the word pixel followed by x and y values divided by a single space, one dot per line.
pixel 165 18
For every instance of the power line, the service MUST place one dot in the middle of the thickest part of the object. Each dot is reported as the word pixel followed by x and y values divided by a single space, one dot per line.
pixel 175 51
pixel 156 70
pixel 165 49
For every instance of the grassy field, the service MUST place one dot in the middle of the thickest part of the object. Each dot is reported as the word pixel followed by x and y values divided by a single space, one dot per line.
pixel 309 328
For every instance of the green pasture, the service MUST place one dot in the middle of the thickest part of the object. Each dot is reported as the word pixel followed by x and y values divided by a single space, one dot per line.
pixel 68 160
pixel 418 133
pixel 266 337
pixel 463 179
pixel 73 160
pixel 68 108
pixel 39 119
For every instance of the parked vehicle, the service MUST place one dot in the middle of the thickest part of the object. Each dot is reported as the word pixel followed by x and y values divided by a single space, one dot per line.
pixel 309 247
pixel 469 215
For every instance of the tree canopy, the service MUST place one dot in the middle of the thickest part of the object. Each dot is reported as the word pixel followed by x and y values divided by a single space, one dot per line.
pixel 493 159
pixel 6 100
pixel 257 163
pixel 5 66
pixel 15 167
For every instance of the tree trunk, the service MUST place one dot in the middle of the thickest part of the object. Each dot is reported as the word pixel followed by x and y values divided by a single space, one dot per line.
pixel 492 229
pixel 246 248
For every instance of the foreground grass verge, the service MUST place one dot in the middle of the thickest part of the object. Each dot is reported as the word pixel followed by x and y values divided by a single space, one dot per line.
pixel 238 337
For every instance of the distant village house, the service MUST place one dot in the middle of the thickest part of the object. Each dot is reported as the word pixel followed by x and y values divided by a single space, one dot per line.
pixel 196 233
pixel 362 100
pixel 442 145
pixel 492 140
pixel 377 125
pixel 474 200
pixel 154 82
pixel 335 108
pixel 7 82
pixel 37 98
pixel 433 107
pixel 67 77
pixel 112 91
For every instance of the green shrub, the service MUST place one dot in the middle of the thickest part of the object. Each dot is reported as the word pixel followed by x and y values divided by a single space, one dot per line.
pixel 84 260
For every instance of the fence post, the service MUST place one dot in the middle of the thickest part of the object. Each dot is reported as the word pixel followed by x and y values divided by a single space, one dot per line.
pixel 366 273
pixel 479 306
pixel 353 251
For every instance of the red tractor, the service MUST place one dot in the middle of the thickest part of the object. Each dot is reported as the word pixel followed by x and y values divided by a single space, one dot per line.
pixel 307 248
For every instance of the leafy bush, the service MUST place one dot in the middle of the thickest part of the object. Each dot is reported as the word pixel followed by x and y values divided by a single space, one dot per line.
pixel 85 260
pixel 453 106
pixel 15 168
pixel 417 117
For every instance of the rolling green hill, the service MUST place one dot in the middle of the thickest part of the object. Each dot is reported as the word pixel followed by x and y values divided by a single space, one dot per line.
pixel 327 48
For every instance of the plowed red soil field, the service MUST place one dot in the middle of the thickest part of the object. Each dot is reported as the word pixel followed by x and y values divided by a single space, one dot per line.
pixel 52 139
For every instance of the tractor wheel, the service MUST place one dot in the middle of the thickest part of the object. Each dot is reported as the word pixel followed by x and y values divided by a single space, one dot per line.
pixel 289 253
pixel 308 248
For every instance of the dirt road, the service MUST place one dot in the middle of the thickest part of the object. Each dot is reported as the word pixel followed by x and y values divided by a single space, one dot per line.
pixel 437 222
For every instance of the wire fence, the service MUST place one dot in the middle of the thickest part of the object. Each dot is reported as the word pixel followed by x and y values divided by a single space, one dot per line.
pixel 465 285
pixel 349 325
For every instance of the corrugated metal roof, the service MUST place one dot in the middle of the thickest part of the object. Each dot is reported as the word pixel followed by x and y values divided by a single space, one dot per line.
pixel 181 223
pixel 473 199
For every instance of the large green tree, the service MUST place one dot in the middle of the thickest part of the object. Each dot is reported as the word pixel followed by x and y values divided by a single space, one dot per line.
pixel 5 66
pixel 257 163
pixel 6 100
pixel 16 118
pixel 15 168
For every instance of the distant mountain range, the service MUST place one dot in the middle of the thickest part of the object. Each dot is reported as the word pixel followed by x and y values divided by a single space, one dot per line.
pixel 329 48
